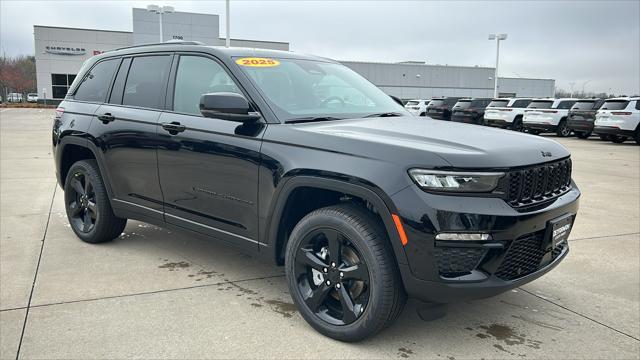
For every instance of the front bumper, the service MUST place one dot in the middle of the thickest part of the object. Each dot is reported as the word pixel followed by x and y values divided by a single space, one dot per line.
pixel 612 130
pixel 453 271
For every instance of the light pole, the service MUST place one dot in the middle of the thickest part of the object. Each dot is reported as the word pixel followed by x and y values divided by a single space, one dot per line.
pixel 160 10
pixel 583 85
pixel 497 38
pixel 228 41
pixel 571 85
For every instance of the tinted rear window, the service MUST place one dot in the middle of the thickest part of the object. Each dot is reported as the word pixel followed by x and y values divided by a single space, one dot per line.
pixel 614 105
pixel 450 102
pixel 436 102
pixel 519 104
pixel 498 103
pixel 95 84
pixel 540 104
pixel 583 105
pixel 563 105
pixel 463 104
pixel 146 81
pixel 480 103
pixel 412 102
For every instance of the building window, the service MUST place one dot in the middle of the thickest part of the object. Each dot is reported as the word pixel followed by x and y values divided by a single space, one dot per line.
pixel 60 84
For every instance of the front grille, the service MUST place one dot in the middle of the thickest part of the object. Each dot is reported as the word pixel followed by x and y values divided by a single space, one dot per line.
pixel 456 261
pixel 525 257
pixel 532 185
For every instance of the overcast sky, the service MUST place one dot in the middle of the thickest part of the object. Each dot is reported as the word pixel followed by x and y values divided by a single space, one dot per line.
pixel 597 42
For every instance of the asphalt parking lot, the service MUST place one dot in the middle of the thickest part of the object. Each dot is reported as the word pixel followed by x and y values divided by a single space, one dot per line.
pixel 157 294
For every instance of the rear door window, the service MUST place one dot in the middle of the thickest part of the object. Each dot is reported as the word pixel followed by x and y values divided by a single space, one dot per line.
pixel 146 83
pixel 118 84
pixel 95 85
pixel 614 105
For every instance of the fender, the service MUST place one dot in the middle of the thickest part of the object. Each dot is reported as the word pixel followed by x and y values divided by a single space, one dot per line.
pixel 97 154
pixel 382 203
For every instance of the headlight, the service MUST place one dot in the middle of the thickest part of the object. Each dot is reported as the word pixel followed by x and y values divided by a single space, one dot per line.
pixel 473 182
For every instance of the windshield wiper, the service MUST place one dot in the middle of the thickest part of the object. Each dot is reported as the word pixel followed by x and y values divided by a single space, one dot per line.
pixel 313 118
pixel 383 114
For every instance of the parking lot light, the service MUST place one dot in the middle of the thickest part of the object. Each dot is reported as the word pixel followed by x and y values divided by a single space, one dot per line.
pixel 497 38
pixel 160 10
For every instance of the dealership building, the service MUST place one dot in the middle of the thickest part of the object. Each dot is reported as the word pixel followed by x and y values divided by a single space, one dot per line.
pixel 61 51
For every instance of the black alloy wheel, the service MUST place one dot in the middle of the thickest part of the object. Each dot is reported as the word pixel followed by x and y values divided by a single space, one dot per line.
pixel 563 130
pixel 88 206
pixel 517 125
pixel 331 277
pixel 83 211
pixel 618 139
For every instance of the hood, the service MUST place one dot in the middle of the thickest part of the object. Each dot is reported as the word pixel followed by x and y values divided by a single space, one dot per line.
pixel 425 142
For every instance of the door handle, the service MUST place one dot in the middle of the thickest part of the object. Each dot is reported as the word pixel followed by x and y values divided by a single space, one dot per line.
pixel 106 118
pixel 173 127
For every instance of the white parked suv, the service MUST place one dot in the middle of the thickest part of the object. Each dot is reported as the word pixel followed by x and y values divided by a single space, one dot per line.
pixel 32 97
pixel 548 115
pixel 417 107
pixel 506 113
pixel 618 119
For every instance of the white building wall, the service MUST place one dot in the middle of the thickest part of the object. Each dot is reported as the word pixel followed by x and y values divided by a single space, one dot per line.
pixel 92 41
pixel 419 81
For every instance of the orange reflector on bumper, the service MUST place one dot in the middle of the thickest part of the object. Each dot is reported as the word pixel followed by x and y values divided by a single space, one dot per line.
pixel 403 236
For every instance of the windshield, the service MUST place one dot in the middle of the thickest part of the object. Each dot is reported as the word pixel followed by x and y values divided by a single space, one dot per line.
pixel 498 103
pixel 540 104
pixel 306 89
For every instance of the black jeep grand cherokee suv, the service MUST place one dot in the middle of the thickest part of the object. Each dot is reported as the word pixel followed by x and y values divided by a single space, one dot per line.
pixel 301 161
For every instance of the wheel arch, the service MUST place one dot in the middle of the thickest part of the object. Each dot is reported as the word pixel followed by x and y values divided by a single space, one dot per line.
pixel 277 222
pixel 73 149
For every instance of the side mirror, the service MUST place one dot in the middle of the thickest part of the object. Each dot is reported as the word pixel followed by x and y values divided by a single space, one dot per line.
pixel 396 99
pixel 227 106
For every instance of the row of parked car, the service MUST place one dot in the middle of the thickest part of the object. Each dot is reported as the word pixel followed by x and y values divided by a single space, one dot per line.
pixel 17 98
pixel 613 119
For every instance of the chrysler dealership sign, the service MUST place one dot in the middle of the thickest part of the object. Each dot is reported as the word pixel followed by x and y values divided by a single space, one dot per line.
pixel 63 50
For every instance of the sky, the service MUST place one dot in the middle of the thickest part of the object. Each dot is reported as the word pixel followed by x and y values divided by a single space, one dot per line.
pixel 592 44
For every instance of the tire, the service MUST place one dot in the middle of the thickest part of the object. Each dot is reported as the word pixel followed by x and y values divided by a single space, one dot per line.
pixel 604 137
pixel 618 139
pixel 357 231
pixel 583 134
pixel 83 187
pixel 637 137
pixel 516 125
pixel 563 130
pixel 534 131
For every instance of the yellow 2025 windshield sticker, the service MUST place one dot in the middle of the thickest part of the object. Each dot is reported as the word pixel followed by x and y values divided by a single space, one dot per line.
pixel 257 62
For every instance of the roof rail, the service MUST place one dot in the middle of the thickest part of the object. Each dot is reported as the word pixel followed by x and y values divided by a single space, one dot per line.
pixel 169 42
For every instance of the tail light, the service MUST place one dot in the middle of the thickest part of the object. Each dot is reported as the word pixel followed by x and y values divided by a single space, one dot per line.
pixel 620 113
pixel 59 112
